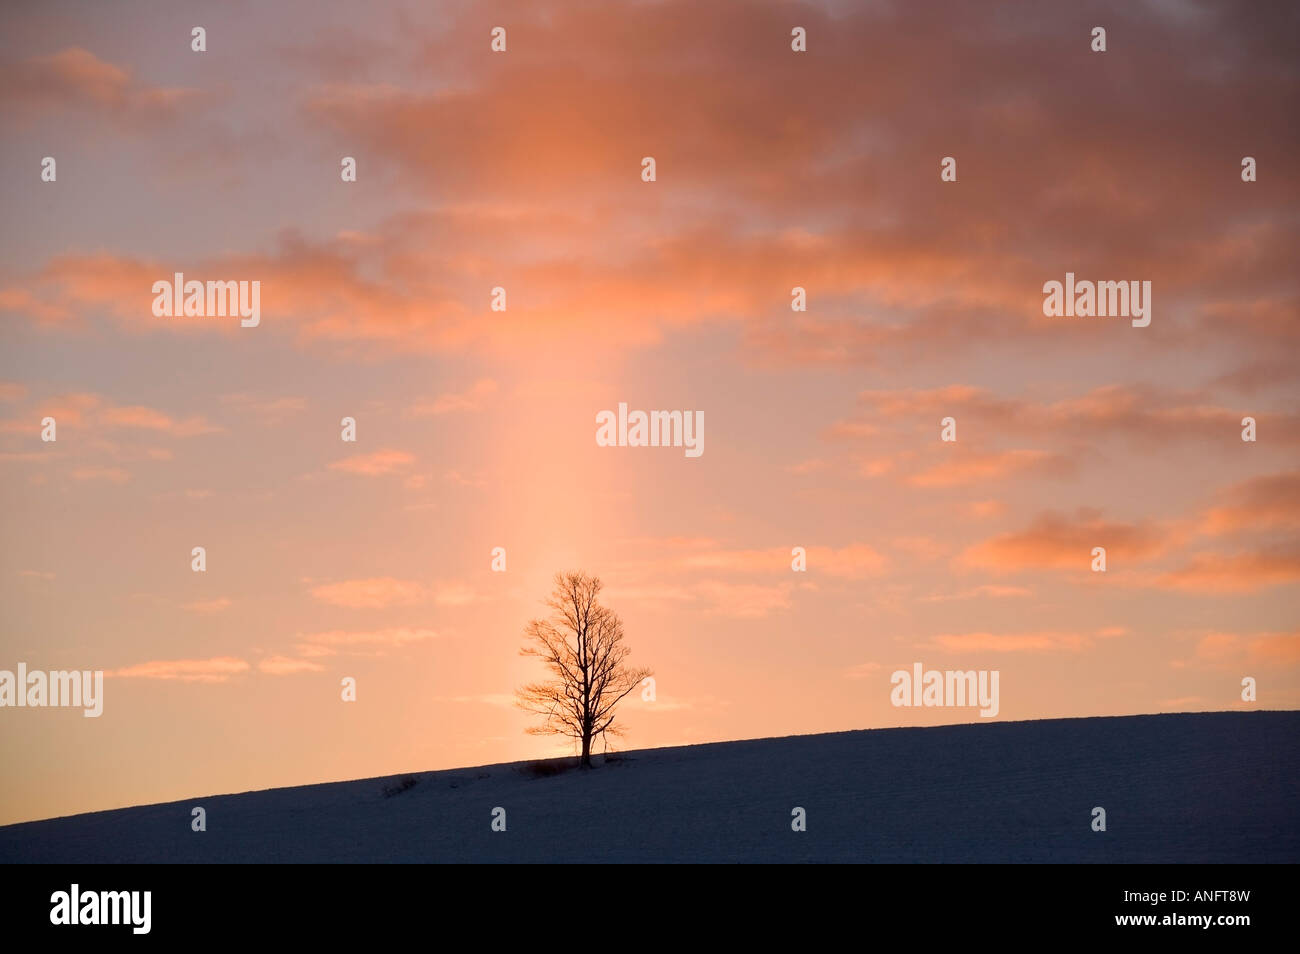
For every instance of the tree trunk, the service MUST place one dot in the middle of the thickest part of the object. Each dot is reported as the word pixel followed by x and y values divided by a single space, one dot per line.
pixel 586 751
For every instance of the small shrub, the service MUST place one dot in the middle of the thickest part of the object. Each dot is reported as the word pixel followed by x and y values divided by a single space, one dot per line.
pixel 404 784
pixel 545 768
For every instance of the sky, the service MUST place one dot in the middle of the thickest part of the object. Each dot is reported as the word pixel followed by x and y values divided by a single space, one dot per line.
pixel 522 170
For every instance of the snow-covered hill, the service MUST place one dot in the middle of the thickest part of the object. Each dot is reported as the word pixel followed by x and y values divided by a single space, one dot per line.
pixel 1208 787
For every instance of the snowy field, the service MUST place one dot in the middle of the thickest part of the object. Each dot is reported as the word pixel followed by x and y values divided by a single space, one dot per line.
pixel 1209 787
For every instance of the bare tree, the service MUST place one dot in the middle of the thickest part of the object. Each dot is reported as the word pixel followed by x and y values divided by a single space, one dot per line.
pixel 581 644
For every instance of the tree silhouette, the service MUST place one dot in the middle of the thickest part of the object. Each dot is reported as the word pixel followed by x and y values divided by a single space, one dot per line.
pixel 581 644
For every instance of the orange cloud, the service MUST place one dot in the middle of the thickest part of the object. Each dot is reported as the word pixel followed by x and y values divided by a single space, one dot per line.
pixel 146 418
pixel 850 562
pixel 284 666
pixel 468 400
pixel 1057 541
pixel 114 475
pixel 542 187
pixel 965 467
pixel 207 606
pixel 376 464
pixel 1139 413
pixel 1234 649
pixel 990 590
pixel 454 594
pixel 373 642
pixel 1280 648
pixel 72 286
pixel 81 409
pixel 1260 503
pixel 270 410
pixel 499 699
pixel 811 466
pixel 374 593
pixel 1242 572
pixel 76 78
pixel 71 410
pixel 1012 642
pixel 982 509
pixel 862 670
pixel 217 669
pixel 743 600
